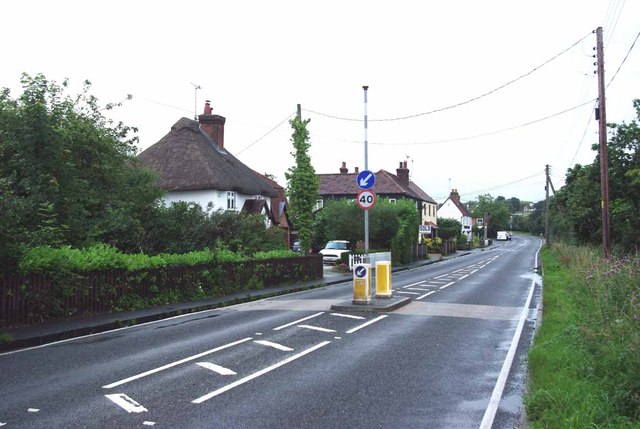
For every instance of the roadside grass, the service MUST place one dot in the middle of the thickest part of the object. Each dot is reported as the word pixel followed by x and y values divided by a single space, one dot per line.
pixel 584 364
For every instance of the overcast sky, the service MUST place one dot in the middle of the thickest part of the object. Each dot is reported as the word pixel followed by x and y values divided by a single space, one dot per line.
pixel 460 90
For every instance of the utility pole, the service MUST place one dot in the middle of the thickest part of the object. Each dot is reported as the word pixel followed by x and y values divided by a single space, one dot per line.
pixel 546 208
pixel 604 156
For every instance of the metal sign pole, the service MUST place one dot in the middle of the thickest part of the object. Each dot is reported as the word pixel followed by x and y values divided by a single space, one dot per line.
pixel 366 167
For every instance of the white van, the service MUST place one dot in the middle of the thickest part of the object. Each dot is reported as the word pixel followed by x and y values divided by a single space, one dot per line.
pixel 503 235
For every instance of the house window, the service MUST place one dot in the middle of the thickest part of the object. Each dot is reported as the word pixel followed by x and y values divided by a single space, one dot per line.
pixel 392 200
pixel 319 204
pixel 231 200
pixel 424 210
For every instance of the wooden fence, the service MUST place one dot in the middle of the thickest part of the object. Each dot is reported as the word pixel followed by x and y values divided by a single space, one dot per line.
pixel 35 298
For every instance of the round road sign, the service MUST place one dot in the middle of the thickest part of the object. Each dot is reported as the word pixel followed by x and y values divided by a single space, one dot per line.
pixel 366 199
pixel 366 179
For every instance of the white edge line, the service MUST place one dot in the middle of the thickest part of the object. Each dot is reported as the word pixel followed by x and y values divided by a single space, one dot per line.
pixel 464 277
pixel 447 285
pixel 357 328
pixel 496 396
pixel 426 294
pixel 298 321
pixel 258 374
pixel 172 364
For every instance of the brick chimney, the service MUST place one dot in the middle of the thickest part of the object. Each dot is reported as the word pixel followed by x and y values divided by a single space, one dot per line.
pixel 344 169
pixel 455 196
pixel 403 173
pixel 212 124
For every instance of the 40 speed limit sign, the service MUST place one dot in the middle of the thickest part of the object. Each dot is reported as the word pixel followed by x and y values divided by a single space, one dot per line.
pixel 366 199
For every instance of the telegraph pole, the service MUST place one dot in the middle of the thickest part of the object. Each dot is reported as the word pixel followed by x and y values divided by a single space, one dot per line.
pixel 546 208
pixel 604 156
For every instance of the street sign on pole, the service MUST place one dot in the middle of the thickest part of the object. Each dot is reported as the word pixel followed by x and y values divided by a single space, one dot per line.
pixel 366 199
pixel 366 179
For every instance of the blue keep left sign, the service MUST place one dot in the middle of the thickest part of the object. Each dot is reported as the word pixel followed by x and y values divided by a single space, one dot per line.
pixel 361 271
pixel 366 179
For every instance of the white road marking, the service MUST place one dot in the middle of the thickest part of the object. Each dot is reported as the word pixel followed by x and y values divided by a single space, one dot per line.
pixel 33 410
pixel 417 288
pixel 2 424
pixel 357 328
pixel 426 294
pixel 298 321
pixel 172 364
pixel 496 396
pixel 216 368
pixel 258 374
pixel 408 293
pixel 447 285
pixel 274 345
pixel 414 284
pixel 128 404
pixel 444 275
pixel 349 316
pixel 316 328
pixel 464 277
pixel 148 423
pixel 474 271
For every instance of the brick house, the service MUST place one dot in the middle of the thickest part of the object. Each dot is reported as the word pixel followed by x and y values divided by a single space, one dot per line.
pixel 343 185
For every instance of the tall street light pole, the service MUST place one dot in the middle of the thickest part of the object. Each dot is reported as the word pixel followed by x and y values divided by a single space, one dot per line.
pixel 366 167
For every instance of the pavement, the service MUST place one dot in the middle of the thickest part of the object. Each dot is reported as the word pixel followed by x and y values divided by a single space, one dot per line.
pixel 58 330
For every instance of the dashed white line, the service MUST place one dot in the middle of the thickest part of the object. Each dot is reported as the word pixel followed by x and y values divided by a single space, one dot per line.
pixel 464 277
pixel 426 294
pixel 349 316
pixel 357 328
pixel 447 285
pixel 298 321
pixel 316 328
pixel 216 368
pixel 258 374
pixel 125 402
pixel 274 345
pixel 172 364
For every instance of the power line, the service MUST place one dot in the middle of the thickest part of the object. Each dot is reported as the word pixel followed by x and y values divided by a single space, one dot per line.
pixel 624 59
pixel 460 103
pixel 266 134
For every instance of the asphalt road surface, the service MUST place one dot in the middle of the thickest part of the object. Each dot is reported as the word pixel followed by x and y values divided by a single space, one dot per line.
pixel 454 357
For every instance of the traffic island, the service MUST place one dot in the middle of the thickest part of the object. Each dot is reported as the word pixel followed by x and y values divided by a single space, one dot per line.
pixel 379 305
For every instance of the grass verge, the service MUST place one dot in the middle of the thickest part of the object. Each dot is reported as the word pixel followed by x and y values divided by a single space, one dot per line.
pixel 584 365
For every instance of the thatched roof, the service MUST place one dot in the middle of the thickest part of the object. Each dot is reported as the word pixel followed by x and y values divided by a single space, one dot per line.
pixel 188 159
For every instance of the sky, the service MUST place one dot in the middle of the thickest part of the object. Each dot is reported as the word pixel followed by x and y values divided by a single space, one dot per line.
pixel 474 96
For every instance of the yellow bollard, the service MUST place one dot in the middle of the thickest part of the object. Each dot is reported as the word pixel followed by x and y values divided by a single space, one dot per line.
pixel 362 284
pixel 383 279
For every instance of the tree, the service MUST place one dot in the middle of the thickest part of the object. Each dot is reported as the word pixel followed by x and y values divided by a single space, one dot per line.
pixel 496 210
pixel 449 229
pixel 302 183
pixel 69 171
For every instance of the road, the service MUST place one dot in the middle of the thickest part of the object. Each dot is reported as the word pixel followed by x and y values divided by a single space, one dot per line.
pixel 452 358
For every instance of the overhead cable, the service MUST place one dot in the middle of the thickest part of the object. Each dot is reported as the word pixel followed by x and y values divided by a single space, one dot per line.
pixel 457 104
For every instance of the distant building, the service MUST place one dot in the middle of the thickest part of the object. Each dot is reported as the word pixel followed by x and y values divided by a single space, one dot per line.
pixel 452 208
pixel 343 185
